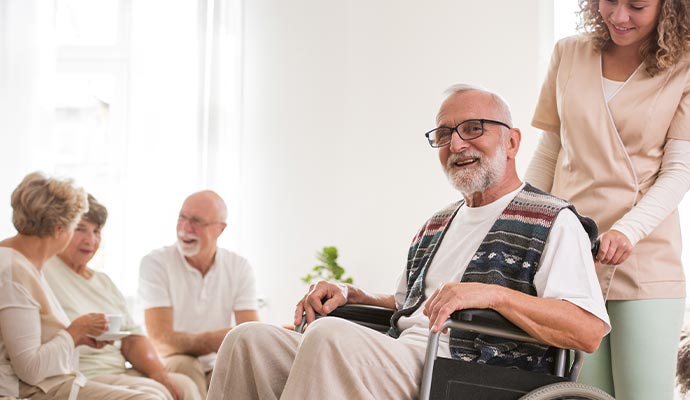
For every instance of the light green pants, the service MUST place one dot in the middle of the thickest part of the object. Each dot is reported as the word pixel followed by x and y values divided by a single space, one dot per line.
pixel 637 360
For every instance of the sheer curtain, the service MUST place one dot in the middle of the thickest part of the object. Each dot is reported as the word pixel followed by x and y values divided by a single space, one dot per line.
pixel 27 66
pixel 220 103
pixel 177 115
pixel 185 119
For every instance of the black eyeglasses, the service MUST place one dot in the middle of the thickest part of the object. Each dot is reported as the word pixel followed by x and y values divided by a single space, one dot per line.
pixel 467 130
pixel 194 222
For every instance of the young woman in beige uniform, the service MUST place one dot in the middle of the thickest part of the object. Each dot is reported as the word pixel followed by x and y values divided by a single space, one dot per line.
pixel 615 111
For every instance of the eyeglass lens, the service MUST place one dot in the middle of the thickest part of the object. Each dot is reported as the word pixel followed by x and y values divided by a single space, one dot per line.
pixel 193 221
pixel 468 130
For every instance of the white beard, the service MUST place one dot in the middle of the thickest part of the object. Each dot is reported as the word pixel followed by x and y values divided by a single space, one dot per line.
pixel 478 179
pixel 188 250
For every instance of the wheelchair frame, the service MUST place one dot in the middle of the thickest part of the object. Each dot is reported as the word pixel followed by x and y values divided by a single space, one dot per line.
pixel 485 322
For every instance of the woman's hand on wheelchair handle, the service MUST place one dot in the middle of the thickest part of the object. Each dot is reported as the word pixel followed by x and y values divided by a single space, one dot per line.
pixel 322 298
pixel 614 248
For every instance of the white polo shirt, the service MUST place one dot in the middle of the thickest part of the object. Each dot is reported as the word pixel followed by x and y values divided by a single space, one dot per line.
pixel 199 303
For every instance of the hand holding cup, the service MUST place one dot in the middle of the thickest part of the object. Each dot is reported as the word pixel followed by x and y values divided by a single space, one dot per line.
pixel 94 324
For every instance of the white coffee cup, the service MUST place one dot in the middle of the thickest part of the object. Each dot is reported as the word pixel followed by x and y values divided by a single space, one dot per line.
pixel 114 322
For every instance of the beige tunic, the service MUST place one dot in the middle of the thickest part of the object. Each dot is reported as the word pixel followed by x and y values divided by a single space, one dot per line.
pixel 22 286
pixel 611 155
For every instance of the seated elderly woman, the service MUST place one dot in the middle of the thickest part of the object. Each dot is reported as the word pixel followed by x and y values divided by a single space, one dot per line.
pixel 81 290
pixel 38 358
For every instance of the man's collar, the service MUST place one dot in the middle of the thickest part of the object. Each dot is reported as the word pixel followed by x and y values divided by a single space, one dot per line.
pixel 188 264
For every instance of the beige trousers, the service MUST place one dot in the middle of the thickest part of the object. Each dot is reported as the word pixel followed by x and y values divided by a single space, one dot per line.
pixel 129 386
pixel 190 367
pixel 94 390
pixel 183 382
pixel 334 359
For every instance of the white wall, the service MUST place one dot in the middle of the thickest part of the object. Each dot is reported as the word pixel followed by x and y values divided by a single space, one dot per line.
pixel 337 97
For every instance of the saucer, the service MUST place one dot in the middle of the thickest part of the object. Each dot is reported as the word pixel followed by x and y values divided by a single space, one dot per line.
pixel 111 336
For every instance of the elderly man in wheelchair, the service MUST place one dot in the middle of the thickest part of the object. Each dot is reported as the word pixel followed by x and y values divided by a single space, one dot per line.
pixel 505 246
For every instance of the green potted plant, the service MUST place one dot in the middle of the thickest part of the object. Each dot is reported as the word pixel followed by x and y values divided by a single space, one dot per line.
pixel 328 269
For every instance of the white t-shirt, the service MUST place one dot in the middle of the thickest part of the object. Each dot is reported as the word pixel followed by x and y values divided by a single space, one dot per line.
pixel 566 269
pixel 199 303
pixel 79 296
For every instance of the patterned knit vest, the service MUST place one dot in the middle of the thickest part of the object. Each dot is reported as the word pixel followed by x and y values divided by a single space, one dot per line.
pixel 508 256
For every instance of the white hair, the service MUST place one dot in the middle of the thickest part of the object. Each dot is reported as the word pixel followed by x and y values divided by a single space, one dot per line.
pixel 501 104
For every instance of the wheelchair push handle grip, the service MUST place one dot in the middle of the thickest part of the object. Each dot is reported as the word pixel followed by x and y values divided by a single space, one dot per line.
pixel 595 247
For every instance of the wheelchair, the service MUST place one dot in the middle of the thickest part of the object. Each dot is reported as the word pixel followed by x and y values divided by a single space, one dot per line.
pixel 456 379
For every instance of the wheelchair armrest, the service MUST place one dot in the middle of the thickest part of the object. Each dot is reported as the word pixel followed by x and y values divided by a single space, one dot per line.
pixel 490 322
pixel 374 317
pixel 364 313
pixel 486 319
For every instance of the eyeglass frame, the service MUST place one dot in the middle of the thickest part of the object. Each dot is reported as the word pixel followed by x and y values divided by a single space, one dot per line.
pixel 482 121
pixel 195 222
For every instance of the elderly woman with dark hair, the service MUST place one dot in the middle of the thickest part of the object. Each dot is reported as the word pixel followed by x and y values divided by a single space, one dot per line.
pixel 38 359
pixel 81 290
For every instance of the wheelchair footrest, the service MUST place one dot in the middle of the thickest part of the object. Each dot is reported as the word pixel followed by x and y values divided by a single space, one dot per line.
pixel 455 379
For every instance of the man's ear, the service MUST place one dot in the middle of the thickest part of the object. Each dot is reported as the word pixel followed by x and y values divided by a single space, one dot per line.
pixel 513 142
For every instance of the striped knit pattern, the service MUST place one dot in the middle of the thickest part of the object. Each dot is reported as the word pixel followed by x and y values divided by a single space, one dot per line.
pixel 511 251
pixel 508 256
pixel 420 254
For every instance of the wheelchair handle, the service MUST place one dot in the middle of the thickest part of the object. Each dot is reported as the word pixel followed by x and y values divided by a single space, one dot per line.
pixel 595 247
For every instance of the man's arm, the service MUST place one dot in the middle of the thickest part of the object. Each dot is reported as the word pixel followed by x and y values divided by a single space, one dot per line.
pixel 325 297
pixel 167 341
pixel 246 316
pixel 139 351
pixel 555 322
pixel 568 310
pixel 357 295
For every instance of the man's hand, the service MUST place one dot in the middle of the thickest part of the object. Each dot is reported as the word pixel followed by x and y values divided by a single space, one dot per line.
pixel 211 340
pixel 334 294
pixel 454 296
pixel 163 378
pixel 614 248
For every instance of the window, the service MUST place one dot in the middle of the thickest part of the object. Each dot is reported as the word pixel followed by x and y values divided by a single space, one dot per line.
pixel 90 121
pixel 144 117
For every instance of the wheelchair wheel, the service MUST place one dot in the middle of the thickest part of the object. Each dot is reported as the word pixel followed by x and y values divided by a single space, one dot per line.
pixel 567 390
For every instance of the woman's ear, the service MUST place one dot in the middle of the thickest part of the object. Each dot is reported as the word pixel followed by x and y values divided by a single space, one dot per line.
pixel 58 230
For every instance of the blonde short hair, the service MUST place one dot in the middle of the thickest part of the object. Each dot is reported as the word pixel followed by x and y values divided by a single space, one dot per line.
pixel 41 204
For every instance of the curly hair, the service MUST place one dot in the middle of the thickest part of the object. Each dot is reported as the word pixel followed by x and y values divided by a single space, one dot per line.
pixel 41 204
pixel 668 44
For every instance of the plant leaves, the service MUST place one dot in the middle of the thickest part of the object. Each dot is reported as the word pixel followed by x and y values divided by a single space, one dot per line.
pixel 330 270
